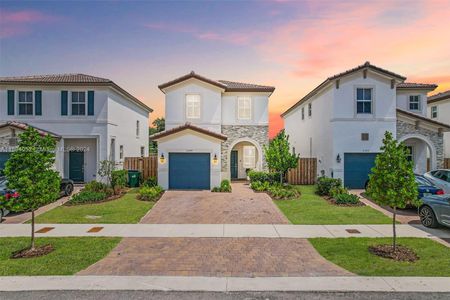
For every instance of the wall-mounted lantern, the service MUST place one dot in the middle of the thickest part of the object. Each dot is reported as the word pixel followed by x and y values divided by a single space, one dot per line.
pixel 215 160
pixel 338 158
pixel 162 159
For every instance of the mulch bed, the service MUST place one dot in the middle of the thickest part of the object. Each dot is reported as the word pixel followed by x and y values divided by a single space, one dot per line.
pixel 110 198
pixel 401 254
pixel 153 200
pixel 332 201
pixel 37 251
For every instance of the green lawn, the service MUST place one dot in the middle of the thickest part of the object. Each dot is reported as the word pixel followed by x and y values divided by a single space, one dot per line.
pixel 352 254
pixel 313 209
pixel 70 256
pixel 125 210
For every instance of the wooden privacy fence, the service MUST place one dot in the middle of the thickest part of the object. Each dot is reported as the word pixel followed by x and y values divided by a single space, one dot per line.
pixel 305 173
pixel 148 166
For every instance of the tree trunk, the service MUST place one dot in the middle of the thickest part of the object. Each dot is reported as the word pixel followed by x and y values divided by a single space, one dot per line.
pixel 394 236
pixel 32 229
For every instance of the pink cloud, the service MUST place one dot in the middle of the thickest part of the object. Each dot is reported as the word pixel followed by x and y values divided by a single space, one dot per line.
pixel 16 23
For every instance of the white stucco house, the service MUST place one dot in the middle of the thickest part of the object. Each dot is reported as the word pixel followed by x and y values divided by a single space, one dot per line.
pixel 214 130
pixel 92 119
pixel 439 110
pixel 342 122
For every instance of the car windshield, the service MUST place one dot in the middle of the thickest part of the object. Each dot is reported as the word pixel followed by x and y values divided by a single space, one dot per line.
pixel 422 181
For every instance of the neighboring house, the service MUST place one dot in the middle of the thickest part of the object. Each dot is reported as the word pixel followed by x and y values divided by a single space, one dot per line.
pixel 439 110
pixel 214 130
pixel 343 120
pixel 92 118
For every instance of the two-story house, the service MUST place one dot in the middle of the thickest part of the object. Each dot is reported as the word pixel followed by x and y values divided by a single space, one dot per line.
pixel 214 130
pixel 92 119
pixel 439 110
pixel 343 120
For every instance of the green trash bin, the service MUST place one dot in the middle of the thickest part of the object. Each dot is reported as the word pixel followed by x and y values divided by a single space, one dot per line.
pixel 134 177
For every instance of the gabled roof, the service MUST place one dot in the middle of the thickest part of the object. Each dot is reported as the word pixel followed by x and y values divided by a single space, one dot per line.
pixel 423 118
pixel 439 97
pixel 366 66
pixel 25 126
pixel 187 126
pixel 419 86
pixel 227 86
pixel 69 80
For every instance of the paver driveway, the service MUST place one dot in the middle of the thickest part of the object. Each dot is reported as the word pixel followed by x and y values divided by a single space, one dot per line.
pixel 239 257
pixel 242 206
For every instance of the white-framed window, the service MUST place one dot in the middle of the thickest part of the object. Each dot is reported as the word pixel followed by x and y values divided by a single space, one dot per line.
pixel 303 113
pixel 363 100
pixel 137 128
pixel 414 102
pixel 434 112
pixel 193 106
pixel 25 103
pixel 249 157
pixel 244 108
pixel 142 151
pixel 309 109
pixel 121 152
pixel 78 103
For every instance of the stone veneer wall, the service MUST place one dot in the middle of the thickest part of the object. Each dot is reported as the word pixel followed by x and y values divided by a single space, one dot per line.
pixel 259 134
pixel 404 128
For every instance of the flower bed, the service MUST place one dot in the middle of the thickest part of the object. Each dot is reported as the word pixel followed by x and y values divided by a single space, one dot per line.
pixel 153 193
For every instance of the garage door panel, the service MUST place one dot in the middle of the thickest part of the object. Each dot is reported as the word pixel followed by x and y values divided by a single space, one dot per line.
pixel 189 171
pixel 357 167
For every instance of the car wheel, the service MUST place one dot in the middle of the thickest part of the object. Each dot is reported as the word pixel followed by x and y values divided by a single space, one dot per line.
pixel 427 217
pixel 68 190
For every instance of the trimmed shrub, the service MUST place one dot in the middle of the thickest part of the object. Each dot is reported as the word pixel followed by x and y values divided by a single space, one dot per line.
pixel 225 187
pixel 150 193
pixel 150 182
pixel 337 190
pixel 279 192
pixel 260 176
pixel 95 186
pixel 325 184
pixel 119 179
pixel 86 196
pixel 346 199
pixel 260 186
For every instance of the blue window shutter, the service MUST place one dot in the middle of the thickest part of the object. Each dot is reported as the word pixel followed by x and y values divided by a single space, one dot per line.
pixel 38 103
pixel 90 103
pixel 64 104
pixel 11 103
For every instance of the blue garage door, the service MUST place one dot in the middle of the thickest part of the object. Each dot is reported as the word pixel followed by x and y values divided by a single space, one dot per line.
pixel 357 169
pixel 3 158
pixel 189 171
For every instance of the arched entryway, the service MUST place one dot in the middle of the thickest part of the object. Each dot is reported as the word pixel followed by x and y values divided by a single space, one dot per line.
pixel 420 150
pixel 243 155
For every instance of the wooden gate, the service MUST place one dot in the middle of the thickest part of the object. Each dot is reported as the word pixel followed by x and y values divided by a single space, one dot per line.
pixel 148 166
pixel 305 173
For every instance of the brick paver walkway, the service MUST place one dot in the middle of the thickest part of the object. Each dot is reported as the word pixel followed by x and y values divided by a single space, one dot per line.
pixel 244 257
pixel 242 206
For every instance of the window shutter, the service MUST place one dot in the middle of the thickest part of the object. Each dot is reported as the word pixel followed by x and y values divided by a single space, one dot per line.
pixel 10 102
pixel 38 103
pixel 90 103
pixel 64 103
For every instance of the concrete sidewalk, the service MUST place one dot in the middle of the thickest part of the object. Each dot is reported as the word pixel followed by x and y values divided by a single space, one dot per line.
pixel 222 230
pixel 226 284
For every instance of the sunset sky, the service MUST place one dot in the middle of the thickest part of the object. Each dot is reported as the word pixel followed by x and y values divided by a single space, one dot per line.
pixel 292 45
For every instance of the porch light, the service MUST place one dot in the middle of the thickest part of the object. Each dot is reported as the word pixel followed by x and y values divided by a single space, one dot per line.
pixel 162 159
pixel 215 160
pixel 338 158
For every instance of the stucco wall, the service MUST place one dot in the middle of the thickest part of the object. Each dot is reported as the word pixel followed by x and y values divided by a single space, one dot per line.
pixel 443 116
pixel 260 113
pixel 403 101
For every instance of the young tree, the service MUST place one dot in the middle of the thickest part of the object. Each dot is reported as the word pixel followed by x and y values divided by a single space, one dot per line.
pixel 105 170
pixel 278 155
pixel 392 181
pixel 30 172
pixel 159 125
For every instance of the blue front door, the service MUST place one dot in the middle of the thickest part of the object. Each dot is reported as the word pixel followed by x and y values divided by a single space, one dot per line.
pixel 76 166
pixel 234 164
pixel 189 171
pixel 357 168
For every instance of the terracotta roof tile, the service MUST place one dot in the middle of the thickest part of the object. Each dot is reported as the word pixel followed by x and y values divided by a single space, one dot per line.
pixel 185 127
pixel 241 86
pixel 414 115
pixel 438 97
pixel 25 126
pixel 413 85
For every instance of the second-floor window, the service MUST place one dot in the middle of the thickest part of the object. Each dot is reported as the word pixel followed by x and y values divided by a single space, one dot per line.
pixel 309 109
pixel 414 102
pixel 78 103
pixel 303 113
pixel 137 128
pixel 142 151
pixel 25 103
pixel 434 112
pixel 249 157
pixel 363 100
pixel 193 106
pixel 244 108
pixel 121 152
